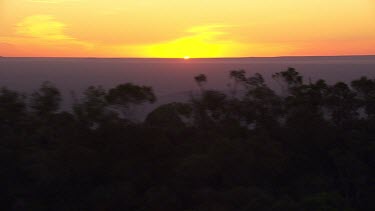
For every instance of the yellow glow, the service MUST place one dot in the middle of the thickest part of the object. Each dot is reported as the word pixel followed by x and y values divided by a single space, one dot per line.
pixel 164 28
pixel 204 41
pixel 186 57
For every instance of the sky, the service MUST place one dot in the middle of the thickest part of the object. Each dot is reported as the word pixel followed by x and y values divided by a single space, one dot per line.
pixel 192 28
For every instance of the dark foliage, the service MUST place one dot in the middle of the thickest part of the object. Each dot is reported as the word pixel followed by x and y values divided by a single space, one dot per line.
pixel 309 147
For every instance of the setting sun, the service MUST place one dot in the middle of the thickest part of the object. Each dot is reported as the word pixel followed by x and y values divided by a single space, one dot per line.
pixel 238 28
pixel 186 57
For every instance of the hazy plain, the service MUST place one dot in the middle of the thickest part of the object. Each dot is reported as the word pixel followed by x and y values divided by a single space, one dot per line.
pixel 172 79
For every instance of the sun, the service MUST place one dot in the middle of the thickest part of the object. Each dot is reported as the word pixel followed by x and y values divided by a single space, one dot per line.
pixel 186 57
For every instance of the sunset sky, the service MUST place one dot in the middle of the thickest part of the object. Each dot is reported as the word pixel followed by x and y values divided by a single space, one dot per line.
pixel 193 28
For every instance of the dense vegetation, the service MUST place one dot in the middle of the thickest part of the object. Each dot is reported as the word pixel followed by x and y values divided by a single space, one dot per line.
pixel 310 146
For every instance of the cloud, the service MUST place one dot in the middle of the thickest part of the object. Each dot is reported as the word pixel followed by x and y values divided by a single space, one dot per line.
pixel 207 41
pixel 46 28
pixel 200 41
pixel 42 27
pixel 43 35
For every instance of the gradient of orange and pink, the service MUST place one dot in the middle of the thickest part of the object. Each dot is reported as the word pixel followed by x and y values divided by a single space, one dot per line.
pixel 178 29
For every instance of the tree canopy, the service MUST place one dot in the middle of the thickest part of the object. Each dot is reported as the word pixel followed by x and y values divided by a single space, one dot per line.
pixel 309 147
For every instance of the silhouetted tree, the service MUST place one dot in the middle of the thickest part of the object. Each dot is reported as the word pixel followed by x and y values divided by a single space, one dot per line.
pixel 248 148
pixel 238 76
pixel 93 110
pixel 290 78
pixel 172 116
pixel 46 100
pixel 365 89
pixel 342 103
pixel 201 80
pixel 125 95
pixel 12 108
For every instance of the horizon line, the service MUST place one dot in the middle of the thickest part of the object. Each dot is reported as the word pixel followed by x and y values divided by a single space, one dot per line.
pixel 192 58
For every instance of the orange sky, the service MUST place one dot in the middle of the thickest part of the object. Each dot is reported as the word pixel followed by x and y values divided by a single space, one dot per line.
pixel 194 28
